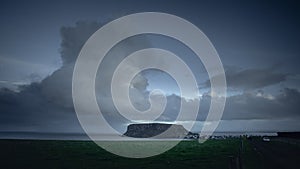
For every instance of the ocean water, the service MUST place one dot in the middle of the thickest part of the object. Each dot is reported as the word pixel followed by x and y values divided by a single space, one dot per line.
pixel 83 136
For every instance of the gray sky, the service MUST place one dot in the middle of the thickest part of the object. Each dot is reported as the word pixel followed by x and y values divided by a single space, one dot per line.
pixel 258 43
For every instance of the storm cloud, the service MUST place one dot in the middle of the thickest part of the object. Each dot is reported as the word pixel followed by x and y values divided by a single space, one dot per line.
pixel 50 101
pixel 250 79
pixel 47 105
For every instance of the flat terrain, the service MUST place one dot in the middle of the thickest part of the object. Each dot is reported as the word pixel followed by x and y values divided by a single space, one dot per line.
pixel 213 154
pixel 279 154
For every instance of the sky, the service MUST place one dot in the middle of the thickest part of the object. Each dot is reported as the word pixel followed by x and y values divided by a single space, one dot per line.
pixel 257 41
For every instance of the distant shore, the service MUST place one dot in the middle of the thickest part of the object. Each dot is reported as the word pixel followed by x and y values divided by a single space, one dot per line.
pixel 83 136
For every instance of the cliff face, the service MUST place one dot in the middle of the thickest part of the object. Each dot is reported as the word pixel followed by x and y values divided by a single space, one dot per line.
pixel 154 129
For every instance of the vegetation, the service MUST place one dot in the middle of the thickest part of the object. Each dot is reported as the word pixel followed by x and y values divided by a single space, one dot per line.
pixel 213 154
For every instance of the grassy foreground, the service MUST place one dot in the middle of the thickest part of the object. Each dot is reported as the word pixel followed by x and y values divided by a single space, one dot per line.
pixel 213 154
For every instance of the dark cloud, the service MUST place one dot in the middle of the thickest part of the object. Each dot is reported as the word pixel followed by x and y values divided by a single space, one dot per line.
pixel 48 106
pixel 249 79
pixel 245 106
pixel 73 38
pixel 57 87
pixel 28 110
pixel 260 105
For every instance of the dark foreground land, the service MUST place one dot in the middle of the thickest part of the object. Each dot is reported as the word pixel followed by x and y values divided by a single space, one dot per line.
pixel 213 154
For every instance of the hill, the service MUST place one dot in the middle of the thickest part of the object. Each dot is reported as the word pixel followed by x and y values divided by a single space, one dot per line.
pixel 147 130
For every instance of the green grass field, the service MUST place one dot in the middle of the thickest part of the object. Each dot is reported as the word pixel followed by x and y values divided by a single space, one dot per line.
pixel 213 154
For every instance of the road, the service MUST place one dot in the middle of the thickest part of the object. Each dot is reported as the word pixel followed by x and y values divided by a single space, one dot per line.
pixel 277 155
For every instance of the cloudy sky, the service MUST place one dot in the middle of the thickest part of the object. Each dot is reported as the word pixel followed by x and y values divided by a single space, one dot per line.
pixel 258 43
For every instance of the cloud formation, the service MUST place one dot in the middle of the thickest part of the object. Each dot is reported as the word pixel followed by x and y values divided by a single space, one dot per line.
pixel 249 79
pixel 48 106
pixel 259 105
pixel 39 104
